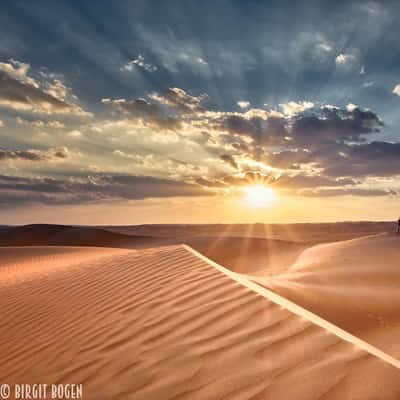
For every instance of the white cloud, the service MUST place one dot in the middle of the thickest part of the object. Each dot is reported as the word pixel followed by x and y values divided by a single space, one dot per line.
pixel 345 59
pixel 351 107
pixel 138 62
pixel 74 133
pixel 293 108
pixel 58 90
pixel 396 89
pixel 19 71
pixel 55 124
pixel 243 104
pixel 40 124
pixel 22 92
pixel 368 84
pixel 201 60
pixel 192 58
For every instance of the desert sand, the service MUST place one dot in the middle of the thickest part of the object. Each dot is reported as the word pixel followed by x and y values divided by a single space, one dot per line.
pixel 167 323
pixel 354 284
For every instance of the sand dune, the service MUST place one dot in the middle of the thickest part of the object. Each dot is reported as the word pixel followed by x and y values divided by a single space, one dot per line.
pixel 302 233
pixel 354 284
pixel 241 254
pixel 167 324
pixel 248 254
pixel 64 235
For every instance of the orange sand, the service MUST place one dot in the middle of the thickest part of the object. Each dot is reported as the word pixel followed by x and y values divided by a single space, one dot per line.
pixel 167 324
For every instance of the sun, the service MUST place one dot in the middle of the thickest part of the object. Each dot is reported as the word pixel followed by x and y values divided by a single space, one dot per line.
pixel 258 196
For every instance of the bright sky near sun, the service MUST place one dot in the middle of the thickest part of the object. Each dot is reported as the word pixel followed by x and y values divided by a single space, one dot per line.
pixel 229 111
pixel 259 196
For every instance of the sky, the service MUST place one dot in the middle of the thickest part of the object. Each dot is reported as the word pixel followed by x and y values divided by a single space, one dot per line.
pixel 165 112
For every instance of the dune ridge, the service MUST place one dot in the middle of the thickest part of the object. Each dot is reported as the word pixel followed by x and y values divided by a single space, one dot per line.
pixel 166 323
pixel 296 309
pixel 353 284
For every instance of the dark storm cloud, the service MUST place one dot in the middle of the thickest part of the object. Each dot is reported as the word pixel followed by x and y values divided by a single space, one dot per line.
pixel 308 130
pixel 375 159
pixel 263 131
pixel 333 125
pixel 96 188
pixel 371 159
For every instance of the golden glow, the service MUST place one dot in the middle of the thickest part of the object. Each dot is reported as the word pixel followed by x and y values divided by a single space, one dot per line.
pixel 259 196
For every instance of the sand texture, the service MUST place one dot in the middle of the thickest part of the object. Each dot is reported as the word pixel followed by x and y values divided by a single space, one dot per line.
pixel 165 323
pixel 355 284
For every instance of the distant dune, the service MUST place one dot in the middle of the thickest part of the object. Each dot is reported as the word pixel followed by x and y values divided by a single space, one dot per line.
pixel 64 235
pixel 303 233
pixel 167 324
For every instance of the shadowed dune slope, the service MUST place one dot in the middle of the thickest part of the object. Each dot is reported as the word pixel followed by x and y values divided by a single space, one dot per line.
pixel 354 284
pixel 249 255
pixel 64 235
pixel 166 324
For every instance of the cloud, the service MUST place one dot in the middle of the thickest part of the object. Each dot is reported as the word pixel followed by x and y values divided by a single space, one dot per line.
pixel 305 145
pixel 58 90
pixel 299 181
pixel 300 146
pixel 293 108
pixel 161 164
pixel 333 125
pixel 179 100
pixel 369 159
pixel 258 125
pixel 230 160
pixel 145 111
pixel 396 90
pixel 74 133
pixel 161 110
pixel 20 92
pixel 191 58
pixel 286 181
pixel 374 159
pixel 243 104
pixel 18 191
pixel 350 62
pixel 138 62
pixel 345 59
pixel 19 71
pixel 38 123
pixel 51 154
pixel 348 192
